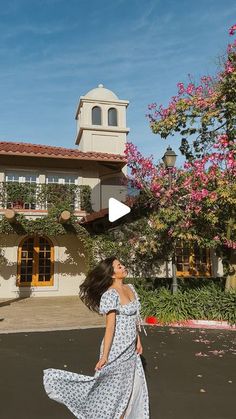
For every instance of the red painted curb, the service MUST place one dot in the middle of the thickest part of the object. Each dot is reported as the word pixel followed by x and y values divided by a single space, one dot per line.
pixel 206 324
pixel 151 320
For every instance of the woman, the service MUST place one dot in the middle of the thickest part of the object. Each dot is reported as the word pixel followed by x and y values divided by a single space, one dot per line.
pixel 118 389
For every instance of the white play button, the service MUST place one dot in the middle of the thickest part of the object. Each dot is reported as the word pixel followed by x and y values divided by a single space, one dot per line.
pixel 117 209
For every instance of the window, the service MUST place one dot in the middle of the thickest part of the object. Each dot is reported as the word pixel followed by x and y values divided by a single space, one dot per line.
pixel 61 178
pixel 112 117
pixel 12 177
pixel 21 177
pixel 70 179
pixel 52 179
pixel 192 260
pixel 21 189
pixel 96 116
pixel 35 262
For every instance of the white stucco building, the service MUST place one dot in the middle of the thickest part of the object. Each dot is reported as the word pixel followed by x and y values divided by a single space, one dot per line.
pixel 55 266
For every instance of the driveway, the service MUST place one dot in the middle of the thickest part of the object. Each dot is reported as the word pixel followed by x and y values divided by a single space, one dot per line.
pixel 190 372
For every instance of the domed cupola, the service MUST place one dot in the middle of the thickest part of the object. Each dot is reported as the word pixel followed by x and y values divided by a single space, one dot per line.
pixel 101 122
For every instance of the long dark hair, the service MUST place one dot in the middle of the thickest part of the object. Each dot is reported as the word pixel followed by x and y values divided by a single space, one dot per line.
pixel 96 283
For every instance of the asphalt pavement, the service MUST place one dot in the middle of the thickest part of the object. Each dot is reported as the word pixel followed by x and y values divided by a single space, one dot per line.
pixel 190 373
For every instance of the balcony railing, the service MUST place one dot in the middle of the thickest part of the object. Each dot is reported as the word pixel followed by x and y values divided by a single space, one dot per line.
pixel 32 196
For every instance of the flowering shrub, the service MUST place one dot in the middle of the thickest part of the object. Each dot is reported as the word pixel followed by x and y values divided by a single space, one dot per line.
pixel 200 111
pixel 200 204
pixel 136 243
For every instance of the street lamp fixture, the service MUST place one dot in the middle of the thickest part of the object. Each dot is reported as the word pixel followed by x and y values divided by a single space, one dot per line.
pixel 169 160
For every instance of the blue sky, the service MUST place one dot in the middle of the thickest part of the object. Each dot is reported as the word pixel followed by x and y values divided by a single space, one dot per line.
pixel 54 51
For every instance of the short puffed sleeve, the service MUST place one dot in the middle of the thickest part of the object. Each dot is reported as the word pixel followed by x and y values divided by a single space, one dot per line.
pixel 108 302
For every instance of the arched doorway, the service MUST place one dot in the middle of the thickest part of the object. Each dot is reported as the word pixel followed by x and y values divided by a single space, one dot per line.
pixel 35 262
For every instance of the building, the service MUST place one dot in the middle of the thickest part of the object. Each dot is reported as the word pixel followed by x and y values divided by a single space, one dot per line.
pixel 33 177
pixel 30 175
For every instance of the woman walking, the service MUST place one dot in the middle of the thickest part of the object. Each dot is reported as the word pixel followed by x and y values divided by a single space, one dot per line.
pixel 118 389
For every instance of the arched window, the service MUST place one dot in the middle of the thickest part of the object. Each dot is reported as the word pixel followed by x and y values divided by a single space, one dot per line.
pixel 96 116
pixel 191 260
pixel 112 117
pixel 35 262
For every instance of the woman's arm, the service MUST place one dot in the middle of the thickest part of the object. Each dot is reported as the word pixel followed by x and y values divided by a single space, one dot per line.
pixel 109 333
pixel 108 337
pixel 139 347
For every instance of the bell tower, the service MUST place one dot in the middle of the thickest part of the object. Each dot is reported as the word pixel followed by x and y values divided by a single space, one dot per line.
pixel 101 122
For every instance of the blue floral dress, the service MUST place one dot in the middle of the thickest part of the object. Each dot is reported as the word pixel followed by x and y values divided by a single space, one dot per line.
pixel 120 386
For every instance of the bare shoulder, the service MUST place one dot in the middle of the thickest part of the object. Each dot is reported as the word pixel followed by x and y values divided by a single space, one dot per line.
pixel 130 285
pixel 133 289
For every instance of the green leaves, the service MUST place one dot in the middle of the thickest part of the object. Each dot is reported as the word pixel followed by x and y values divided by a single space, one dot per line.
pixel 208 302
pixel 200 111
pixel 46 195
pixel 45 225
pixel 18 192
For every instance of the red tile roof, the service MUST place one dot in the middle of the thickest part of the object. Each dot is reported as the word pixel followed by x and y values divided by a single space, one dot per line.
pixel 94 216
pixel 39 150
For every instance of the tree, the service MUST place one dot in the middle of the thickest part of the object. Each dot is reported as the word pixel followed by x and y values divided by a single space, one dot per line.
pixel 200 206
pixel 200 112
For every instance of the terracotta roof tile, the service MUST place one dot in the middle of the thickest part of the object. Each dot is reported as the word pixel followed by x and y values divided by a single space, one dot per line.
pixel 40 150
pixel 94 216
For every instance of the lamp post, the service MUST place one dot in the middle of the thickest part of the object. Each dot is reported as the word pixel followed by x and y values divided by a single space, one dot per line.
pixel 169 160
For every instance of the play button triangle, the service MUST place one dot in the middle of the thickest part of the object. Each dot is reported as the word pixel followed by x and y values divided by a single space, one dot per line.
pixel 117 209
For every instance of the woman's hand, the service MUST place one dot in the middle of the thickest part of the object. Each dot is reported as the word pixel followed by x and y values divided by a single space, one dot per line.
pixel 102 361
pixel 139 348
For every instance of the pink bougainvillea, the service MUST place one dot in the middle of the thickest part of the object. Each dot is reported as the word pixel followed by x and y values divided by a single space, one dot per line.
pixel 200 204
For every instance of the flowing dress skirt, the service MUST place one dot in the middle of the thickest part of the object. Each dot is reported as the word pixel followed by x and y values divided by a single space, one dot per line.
pixel 120 386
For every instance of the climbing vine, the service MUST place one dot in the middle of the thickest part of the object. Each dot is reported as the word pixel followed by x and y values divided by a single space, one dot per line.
pixel 46 195
pixel 49 226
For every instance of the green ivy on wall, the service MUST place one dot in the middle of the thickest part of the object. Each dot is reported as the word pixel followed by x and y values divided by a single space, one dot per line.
pixel 49 226
pixel 85 198
pixel 15 191
pixel 58 198
pixel 52 194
